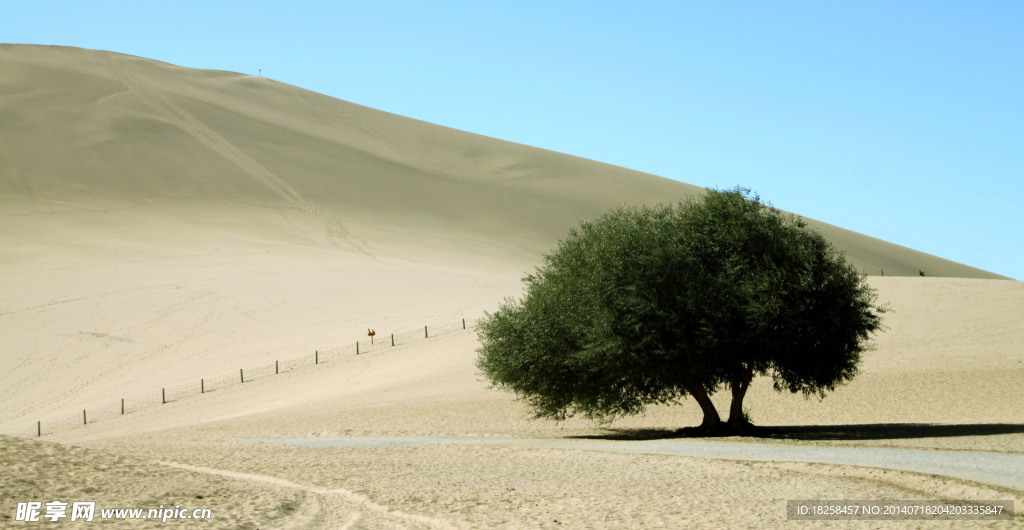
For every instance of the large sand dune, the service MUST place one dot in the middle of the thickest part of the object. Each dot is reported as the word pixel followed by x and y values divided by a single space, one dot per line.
pixel 123 138
pixel 210 218
pixel 160 224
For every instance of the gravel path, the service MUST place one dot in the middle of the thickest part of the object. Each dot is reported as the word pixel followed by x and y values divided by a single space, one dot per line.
pixel 999 469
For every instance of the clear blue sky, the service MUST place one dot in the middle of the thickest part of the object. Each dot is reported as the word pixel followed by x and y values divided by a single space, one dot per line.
pixel 901 120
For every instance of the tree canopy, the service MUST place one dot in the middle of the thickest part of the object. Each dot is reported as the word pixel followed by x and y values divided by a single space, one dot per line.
pixel 651 304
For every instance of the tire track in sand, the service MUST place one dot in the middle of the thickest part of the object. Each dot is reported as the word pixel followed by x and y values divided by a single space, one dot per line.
pixel 209 138
pixel 325 495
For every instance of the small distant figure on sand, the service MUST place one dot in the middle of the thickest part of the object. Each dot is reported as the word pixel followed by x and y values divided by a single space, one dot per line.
pixel 370 333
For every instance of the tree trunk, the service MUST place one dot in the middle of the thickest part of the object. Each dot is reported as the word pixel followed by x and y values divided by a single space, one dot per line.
pixel 712 421
pixel 739 384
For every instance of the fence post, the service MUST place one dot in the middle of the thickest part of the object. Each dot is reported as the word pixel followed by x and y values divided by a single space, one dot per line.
pixel 84 422
pixel 277 369
pixel 122 406
pixel 357 347
pixel 463 323
pixel 425 334
pixel 202 386
pixel 241 375
pixel 163 396
pixel 392 339
pixel 316 357
pixel 39 429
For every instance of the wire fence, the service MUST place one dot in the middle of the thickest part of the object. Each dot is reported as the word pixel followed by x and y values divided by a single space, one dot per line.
pixel 894 272
pixel 169 394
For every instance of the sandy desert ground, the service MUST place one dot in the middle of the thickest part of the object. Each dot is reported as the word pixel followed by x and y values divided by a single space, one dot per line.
pixel 159 225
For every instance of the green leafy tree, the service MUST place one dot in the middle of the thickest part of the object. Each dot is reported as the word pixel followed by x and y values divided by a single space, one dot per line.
pixel 649 305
